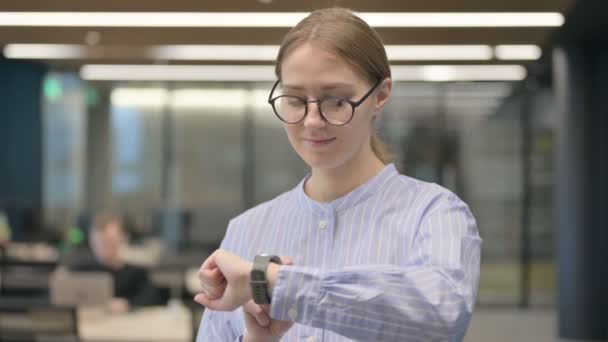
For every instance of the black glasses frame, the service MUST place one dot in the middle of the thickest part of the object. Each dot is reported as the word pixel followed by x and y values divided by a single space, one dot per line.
pixel 354 104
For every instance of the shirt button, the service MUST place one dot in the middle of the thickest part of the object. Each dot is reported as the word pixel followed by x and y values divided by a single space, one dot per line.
pixel 323 224
pixel 292 313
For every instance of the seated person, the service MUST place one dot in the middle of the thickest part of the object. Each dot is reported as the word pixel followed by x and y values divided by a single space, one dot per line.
pixel 107 239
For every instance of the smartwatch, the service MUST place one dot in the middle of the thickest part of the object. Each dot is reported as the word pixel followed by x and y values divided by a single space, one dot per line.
pixel 258 280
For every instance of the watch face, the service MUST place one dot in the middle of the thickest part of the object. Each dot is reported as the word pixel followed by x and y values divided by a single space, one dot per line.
pixel 258 275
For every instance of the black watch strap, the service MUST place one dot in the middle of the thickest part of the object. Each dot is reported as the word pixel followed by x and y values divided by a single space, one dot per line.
pixel 258 280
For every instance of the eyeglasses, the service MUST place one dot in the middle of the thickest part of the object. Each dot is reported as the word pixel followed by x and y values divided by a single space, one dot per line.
pixel 337 111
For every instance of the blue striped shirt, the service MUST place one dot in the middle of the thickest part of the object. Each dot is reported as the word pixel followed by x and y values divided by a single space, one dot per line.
pixel 396 259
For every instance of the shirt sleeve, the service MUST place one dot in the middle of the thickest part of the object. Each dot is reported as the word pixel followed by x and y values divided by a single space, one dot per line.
pixel 428 297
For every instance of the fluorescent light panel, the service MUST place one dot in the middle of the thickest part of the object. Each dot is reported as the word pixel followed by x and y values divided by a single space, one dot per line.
pixel 45 51
pixel 438 52
pixel 482 19
pixel 518 52
pixel 269 52
pixel 189 99
pixel 443 73
pixel 111 72
pixel 214 52
pixel 128 72
pixel 274 19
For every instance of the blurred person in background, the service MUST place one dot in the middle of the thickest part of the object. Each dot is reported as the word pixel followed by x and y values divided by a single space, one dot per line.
pixel 108 239
pixel 373 255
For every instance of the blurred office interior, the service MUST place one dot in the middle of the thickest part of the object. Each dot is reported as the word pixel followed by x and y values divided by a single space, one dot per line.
pixel 165 119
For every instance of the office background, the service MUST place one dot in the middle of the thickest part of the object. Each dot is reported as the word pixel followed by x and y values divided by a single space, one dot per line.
pixel 181 156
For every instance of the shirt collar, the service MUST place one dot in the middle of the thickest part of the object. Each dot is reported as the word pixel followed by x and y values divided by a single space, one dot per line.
pixel 360 193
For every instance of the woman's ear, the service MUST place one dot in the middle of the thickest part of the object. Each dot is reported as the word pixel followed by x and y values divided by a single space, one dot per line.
pixel 382 95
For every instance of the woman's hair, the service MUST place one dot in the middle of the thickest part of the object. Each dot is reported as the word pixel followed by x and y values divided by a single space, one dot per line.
pixel 340 31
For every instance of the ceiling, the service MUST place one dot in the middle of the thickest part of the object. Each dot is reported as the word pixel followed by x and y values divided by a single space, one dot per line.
pixel 125 45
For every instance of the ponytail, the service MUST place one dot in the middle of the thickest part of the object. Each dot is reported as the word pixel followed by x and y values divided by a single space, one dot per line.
pixel 380 149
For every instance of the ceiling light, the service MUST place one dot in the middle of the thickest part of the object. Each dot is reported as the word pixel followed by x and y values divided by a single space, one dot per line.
pixel 240 52
pixel 189 99
pixel 273 19
pixel 481 19
pixel 518 52
pixel 128 72
pixel 438 52
pixel 443 73
pixel 432 73
pixel 214 52
pixel 46 51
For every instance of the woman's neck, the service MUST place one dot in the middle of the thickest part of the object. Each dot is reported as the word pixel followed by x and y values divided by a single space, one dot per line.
pixel 326 185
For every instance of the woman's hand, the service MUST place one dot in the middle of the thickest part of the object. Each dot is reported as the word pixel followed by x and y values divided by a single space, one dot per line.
pixel 260 327
pixel 224 277
pixel 258 324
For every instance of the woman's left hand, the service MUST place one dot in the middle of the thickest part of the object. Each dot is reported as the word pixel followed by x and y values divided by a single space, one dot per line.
pixel 224 277
pixel 258 324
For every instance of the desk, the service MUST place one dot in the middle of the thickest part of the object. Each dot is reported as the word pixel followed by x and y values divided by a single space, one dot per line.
pixel 171 324
pixel 27 318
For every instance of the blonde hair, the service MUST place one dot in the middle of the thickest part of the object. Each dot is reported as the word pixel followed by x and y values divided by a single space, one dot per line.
pixel 340 31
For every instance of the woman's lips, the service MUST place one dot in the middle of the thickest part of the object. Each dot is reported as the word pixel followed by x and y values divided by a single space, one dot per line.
pixel 319 142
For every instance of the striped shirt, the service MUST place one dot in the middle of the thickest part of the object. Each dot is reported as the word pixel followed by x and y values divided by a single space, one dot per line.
pixel 396 259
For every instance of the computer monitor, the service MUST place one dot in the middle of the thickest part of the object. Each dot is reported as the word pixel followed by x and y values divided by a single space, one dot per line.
pixel 81 288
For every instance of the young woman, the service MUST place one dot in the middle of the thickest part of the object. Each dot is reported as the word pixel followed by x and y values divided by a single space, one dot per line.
pixel 367 254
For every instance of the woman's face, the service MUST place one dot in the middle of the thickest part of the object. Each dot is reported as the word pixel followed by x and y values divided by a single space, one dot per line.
pixel 313 73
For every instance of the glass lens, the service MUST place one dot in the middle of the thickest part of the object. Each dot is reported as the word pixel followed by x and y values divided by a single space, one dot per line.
pixel 290 108
pixel 336 110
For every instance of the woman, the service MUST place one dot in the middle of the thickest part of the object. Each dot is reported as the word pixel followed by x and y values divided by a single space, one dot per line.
pixel 368 254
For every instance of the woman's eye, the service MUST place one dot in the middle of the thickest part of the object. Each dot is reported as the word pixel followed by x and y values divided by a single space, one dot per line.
pixel 294 102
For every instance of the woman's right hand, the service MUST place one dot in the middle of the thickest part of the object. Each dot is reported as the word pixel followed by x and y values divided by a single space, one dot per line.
pixel 258 324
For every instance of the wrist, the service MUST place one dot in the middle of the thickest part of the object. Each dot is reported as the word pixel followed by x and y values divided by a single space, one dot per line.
pixel 272 274
pixel 246 279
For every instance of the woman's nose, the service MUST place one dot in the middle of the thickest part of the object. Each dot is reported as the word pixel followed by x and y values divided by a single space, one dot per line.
pixel 313 118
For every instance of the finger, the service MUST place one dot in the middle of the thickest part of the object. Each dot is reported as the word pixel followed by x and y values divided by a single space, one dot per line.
pixel 212 282
pixel 201 298
pixel 210 262
pixel 258 313
pixel 266 308
pixel 220 304
pixel 214 292
pixel 213 277
pixel 204 300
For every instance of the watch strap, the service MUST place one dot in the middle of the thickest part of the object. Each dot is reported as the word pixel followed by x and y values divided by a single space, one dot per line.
pixel 258 280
